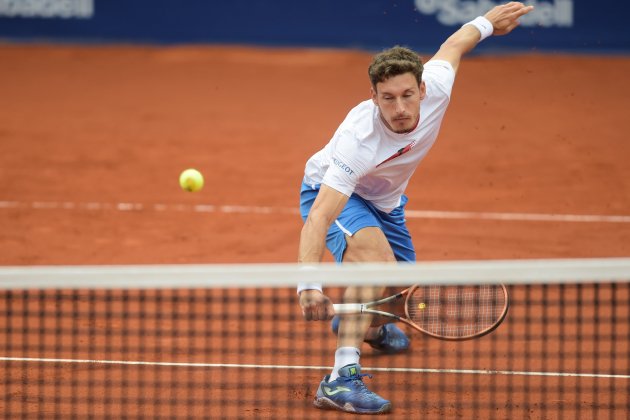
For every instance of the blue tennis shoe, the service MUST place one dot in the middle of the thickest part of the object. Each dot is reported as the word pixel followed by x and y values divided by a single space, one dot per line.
pixel 390 339
pixel 349 393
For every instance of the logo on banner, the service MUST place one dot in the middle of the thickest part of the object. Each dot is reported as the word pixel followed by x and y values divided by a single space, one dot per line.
pixel 47 9
pixel 558 13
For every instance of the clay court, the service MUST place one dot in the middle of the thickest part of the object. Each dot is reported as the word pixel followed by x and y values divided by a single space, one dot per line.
pixel 531 162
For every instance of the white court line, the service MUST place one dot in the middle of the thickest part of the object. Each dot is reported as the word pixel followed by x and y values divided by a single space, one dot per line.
pixel 240 209
pixel 293 367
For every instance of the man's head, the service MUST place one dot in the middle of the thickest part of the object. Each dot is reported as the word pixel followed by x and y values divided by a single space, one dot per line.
pixel 397 87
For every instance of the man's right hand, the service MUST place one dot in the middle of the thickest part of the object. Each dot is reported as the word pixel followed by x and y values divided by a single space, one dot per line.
pixel 316 306
pixel 505 17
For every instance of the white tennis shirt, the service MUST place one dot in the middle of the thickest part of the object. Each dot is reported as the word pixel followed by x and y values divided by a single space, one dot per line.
pixel 367 158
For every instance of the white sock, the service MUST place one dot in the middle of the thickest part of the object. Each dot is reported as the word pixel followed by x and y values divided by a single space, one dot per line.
pixel 344 356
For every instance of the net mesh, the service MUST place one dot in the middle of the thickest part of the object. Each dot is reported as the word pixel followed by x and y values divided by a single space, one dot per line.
pixel 93 343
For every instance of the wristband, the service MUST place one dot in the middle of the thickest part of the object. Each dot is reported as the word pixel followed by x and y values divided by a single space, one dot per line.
pixel 308 285
pixel 483 25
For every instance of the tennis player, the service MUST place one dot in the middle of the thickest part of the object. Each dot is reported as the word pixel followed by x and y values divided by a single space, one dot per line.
pixel 352 197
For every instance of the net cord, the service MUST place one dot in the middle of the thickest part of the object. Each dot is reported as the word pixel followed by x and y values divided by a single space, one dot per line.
pixel 329 274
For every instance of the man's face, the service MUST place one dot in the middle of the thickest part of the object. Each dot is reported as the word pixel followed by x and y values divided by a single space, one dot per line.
pixel 398 99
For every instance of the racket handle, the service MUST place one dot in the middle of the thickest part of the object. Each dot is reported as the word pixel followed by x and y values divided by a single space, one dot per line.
pixel 349 308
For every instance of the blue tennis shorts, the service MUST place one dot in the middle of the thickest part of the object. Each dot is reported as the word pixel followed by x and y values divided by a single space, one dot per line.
pixel 358 214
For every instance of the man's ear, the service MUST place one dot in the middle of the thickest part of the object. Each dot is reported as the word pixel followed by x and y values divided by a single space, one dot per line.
pixel 423 90
pixel 374 98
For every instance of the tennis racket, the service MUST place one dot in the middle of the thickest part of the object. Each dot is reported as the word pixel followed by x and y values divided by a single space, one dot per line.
pixel 444 312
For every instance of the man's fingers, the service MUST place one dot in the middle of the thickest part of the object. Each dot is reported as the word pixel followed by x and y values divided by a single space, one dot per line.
pixel 509 9
pixel 324 313
pixel 311 313
pixel 514 6
pixel 508 18
pixel 330 313
pixel 306 313
pixel 521 11
pixel 317 312
pixel 514 9
pixel 321 313
pixel 316 306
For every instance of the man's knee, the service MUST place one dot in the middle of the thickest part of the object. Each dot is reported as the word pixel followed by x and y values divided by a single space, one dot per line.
pixel 368 244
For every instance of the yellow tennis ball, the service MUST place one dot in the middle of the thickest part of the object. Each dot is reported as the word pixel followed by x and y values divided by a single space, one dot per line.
pixel 422 305
pixel 191 180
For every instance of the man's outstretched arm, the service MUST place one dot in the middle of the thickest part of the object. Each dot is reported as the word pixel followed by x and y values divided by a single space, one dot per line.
pixel 501 20
pixel 328 205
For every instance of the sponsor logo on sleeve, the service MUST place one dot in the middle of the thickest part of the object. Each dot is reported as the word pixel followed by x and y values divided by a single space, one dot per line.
pixel 343 166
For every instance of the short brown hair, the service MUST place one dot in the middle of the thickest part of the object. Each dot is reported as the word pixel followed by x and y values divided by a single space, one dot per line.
pixel 394 62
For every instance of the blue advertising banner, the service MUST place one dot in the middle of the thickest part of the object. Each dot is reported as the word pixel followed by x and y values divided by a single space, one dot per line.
pixel 555 25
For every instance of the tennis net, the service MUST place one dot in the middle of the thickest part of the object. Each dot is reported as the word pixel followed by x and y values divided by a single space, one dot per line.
pixel 229 341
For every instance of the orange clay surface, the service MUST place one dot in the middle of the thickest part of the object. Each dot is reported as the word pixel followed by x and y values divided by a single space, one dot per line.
pixel 92 141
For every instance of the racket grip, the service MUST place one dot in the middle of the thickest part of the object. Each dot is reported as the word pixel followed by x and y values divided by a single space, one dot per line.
pixel 349 308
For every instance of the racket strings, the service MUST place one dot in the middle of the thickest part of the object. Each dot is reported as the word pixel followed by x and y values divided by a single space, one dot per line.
pixel 456 311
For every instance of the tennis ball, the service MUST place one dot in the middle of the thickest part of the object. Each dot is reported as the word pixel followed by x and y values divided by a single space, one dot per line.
pixel 422 305
pixel 191 180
